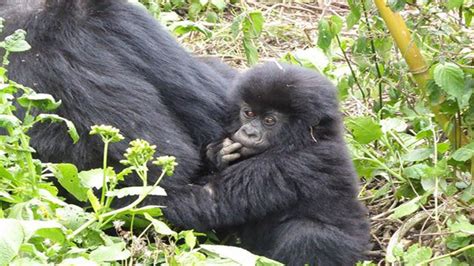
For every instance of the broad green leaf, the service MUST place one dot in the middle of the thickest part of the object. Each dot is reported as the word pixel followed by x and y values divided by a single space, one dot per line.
pixel 46 229
pixel 395 124
pixel 182 27
pixel 355 13
pixel 454 4
pixel 364 129
pixel 461 224
pixel 418 155
pixel 134 191
pixel 312 58
pixel 93 178
pixel 416 254
pixel 219 4
pixel 335 24
pixel 72 216
pixel 254 24
pixel 464 153
pixel 114 252
pixel 68 178
pixel 160 227
pixel 396 5
pixel 238 255
pixel 450 78
pixel 443 262
pixel 71 129
pixel 416 171
pixel 9 121
pixel 250 52
pixel 190 239
pixel 41 101
pixel 324 35
pixel 16 42
pixel 406 208
pixel 77 261
pixel 11 238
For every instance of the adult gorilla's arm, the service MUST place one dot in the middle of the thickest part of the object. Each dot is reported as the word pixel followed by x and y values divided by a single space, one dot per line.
pixel 245 191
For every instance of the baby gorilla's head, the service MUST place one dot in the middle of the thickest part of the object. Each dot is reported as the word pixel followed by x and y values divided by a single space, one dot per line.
pixel 278 106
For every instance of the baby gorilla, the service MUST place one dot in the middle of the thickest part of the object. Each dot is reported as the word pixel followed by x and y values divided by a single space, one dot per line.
pixel 283 180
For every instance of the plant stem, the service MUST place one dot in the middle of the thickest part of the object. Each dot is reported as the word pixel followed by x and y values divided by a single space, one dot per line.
pixel 447 255
pixel 118 211
pixel 104 178
pixel 374 57
pixel 356 80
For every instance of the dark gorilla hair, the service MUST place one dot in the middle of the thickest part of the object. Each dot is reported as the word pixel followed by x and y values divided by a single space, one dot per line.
pixel 297 200
pixel 111 63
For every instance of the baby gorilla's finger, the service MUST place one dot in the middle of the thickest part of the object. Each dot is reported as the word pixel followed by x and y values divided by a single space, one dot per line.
pixel 231 157
pixel 231 148
pixel 226 142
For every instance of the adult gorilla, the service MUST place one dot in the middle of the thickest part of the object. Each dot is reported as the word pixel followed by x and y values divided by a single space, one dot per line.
pixel 111 63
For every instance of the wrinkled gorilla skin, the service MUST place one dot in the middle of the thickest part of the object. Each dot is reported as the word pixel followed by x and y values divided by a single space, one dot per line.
pixel 295 202
pixel 111 63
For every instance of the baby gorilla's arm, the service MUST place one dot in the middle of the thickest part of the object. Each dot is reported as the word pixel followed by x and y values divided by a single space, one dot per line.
pixel 221 154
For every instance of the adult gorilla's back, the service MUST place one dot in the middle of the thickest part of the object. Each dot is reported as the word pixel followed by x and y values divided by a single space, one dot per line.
pixel 110 63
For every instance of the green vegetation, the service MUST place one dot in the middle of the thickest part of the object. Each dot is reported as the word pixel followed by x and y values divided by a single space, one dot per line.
pixel 409 118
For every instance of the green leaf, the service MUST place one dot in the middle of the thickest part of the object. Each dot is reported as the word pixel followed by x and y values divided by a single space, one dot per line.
pixel 160 227
pixel 335 24
pixel 396 5
pixel 41 101
pixel 95 203
pixel 9 121
pixel 454 4
pixel 354 16
pixel 47 229
pixel 416 171
pixel 364 129
pixel 464 153
pixel 416 254
pixel 250 52
pixel 406 208
pixel 134 191
pixel 219 4
pixel 93 178
pixel 72 216
pixel 16 42
pixel 71 129
pixel 182 27
pixel 114 252
pixel 312 58
pixel 461 224
pixel 68 178
pixel 11 238
pixel 395 124
pixel 324 35
pixel 238 255
pixel 190 239
pixel 450 78
pixel 418 155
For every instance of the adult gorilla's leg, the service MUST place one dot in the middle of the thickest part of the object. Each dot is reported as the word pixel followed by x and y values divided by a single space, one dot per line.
pixel 110 63
pixel 301 241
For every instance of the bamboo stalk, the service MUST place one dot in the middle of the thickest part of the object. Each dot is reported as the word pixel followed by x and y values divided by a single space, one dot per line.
pixel 415 61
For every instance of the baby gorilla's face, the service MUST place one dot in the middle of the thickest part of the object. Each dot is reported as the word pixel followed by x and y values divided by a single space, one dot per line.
pixel 258 128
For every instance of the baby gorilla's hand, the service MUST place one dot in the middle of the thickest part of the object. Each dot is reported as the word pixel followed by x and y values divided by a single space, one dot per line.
pixel 222 154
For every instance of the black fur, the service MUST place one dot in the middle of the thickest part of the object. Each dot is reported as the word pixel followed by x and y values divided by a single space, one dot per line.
pixel 111 63
pixel 297 201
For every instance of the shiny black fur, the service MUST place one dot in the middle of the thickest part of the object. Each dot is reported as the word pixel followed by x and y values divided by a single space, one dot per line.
pixel 297 201
pixel 111 63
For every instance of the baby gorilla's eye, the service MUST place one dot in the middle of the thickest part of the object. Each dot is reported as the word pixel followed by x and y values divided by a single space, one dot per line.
pixel 269 120
pixel 249 113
